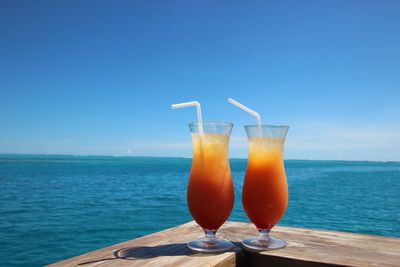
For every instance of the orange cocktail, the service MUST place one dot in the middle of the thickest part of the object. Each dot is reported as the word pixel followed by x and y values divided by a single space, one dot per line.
pixel 265 190
pixel 210 192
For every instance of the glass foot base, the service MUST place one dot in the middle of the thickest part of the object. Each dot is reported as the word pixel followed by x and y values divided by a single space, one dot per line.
pixel 210 247
pixel 258 244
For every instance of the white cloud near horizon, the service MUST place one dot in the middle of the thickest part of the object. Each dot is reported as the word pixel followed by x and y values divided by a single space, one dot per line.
pixel 327 140
pixel 305 140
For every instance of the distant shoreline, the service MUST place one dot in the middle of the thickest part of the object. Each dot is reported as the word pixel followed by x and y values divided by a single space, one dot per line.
pixel 4 155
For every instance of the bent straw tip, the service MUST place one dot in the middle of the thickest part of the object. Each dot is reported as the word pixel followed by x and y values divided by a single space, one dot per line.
pixel 186 104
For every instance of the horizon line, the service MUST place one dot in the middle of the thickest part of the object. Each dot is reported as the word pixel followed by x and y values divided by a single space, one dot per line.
pixel 138 156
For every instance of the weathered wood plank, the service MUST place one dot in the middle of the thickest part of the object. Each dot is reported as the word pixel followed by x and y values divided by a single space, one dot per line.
pixel 305 248
pixel 165 248
pixel 319 248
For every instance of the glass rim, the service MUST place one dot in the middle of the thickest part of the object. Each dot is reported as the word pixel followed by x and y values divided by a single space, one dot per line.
pixel 267 125
pixel 212 123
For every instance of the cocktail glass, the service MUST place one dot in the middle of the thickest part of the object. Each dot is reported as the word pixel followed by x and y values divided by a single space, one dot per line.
pixel 210 192
pixel 265 190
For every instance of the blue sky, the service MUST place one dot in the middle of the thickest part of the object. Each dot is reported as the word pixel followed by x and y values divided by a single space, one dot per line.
pixel 98 77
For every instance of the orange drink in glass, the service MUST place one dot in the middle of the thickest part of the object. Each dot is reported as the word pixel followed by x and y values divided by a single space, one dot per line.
pixel 265 190
pixel 210 192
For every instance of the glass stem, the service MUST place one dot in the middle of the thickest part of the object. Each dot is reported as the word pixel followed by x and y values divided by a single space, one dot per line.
pixel 210 236
pixel 264 235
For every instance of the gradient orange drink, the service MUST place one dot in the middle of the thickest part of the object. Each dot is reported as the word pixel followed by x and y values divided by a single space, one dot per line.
pixel 265 190
pixel 210 193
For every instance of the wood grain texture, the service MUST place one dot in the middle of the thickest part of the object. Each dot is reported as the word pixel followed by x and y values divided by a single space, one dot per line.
pixel 305 248
pixel 165 248
pixel 319 248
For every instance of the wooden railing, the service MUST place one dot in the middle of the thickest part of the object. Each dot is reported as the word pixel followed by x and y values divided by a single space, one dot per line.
pixel 305 248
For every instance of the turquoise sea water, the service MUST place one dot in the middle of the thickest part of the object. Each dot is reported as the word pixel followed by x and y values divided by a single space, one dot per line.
pixel 56 207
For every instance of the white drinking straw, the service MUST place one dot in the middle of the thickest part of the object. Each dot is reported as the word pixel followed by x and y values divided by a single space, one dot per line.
pixel 198 109
pixel 252 112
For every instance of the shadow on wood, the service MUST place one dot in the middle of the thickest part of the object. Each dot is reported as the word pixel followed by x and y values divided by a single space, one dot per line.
pixel 146 252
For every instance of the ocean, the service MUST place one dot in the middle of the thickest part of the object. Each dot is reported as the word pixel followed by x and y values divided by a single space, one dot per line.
pixel 56 207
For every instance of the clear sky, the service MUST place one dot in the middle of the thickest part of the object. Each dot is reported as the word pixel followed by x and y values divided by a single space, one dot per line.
pixel 98 77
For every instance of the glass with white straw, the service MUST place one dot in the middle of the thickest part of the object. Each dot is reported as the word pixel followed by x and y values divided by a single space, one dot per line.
pixel 265 190
pixel 210 192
